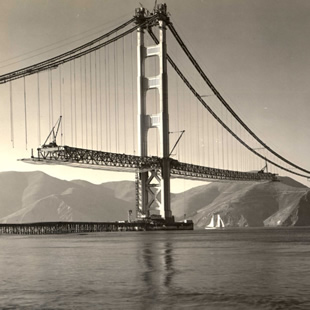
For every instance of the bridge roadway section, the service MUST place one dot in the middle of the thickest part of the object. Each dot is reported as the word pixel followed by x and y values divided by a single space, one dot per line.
pixel 84 158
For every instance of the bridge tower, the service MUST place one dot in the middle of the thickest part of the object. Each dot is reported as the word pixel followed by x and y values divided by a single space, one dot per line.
pixel 153 186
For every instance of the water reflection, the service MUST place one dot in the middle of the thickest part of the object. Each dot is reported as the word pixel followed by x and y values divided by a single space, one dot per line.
pixel 168 264
pixel 233 270
pixel 157 266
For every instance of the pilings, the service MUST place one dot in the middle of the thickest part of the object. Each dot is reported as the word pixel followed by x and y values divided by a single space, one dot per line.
pixel 64 227
pixel 86 227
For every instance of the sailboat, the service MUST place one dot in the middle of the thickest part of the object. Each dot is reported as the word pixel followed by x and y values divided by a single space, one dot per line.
pixel 216 222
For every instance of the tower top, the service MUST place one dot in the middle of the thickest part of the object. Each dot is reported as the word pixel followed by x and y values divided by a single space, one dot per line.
pixel 160 11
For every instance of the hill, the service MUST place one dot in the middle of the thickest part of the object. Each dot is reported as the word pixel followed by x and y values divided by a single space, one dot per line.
pixel 243 204
pixel 36 196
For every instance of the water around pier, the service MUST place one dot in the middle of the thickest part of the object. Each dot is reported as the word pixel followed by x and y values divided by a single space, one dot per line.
pixel 218 269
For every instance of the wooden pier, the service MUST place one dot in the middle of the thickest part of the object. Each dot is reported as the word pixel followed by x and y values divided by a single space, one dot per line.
pixel 86 227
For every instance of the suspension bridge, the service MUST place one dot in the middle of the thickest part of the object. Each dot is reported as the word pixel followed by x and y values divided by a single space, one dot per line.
pixel 136 99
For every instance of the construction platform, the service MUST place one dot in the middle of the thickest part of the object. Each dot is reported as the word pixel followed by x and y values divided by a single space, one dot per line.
pixel 46 228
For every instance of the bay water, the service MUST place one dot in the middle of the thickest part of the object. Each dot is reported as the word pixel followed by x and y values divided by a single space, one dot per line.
pixel 265 268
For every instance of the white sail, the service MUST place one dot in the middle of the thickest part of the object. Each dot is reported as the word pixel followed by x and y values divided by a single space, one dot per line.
pixel 222 223
pixel 219 222
pixel 215 223
pixel 211 224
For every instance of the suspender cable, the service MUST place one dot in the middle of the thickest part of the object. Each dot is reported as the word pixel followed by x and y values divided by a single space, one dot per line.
pixel 227 138
pixel 132 96
pixel 106 98
pixel 74 84
pixel 213 140
pixel 52 98
pixel 39 109
pixel 60 103
pixel 203 137
pixel 81 101
pixel 11 115
pixel 109 100
pixel 91 100
pixel 209 140
pixel 100 99
pixel 96 101
pixel 25 113
pixel 184 90
pixel 178 113
pixel 124 93
pixel 189 122
pixel 222 135
pixel 232 146
pixel 190 125
pixel 239 150
pixel 116 110
pixel 49 99
pixel 197 126
pixel 86 131
pixel 156 107
pixel 71 103
pixel 64 111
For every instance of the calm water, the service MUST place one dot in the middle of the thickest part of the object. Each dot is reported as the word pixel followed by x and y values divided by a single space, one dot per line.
pixel 226 269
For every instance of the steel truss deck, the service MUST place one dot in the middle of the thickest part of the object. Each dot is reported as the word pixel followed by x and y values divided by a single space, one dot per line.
pixel 106 161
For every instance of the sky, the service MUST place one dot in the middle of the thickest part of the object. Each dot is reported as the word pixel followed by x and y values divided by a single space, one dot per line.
pixel 255 52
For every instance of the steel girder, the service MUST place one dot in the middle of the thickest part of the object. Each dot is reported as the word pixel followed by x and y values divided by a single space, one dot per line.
pixel 183 170
pixel 69 154
pixel 102 160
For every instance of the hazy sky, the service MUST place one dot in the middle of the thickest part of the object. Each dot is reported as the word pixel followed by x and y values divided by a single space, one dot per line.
pixel 256 52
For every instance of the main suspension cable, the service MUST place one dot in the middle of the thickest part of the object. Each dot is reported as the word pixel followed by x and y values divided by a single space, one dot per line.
pixel 188 84
pixel 73 51
pixel 54 63
pixel 223 101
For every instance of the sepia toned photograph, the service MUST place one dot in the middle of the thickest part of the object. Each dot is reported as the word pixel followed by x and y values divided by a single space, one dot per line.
pixel 154 154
